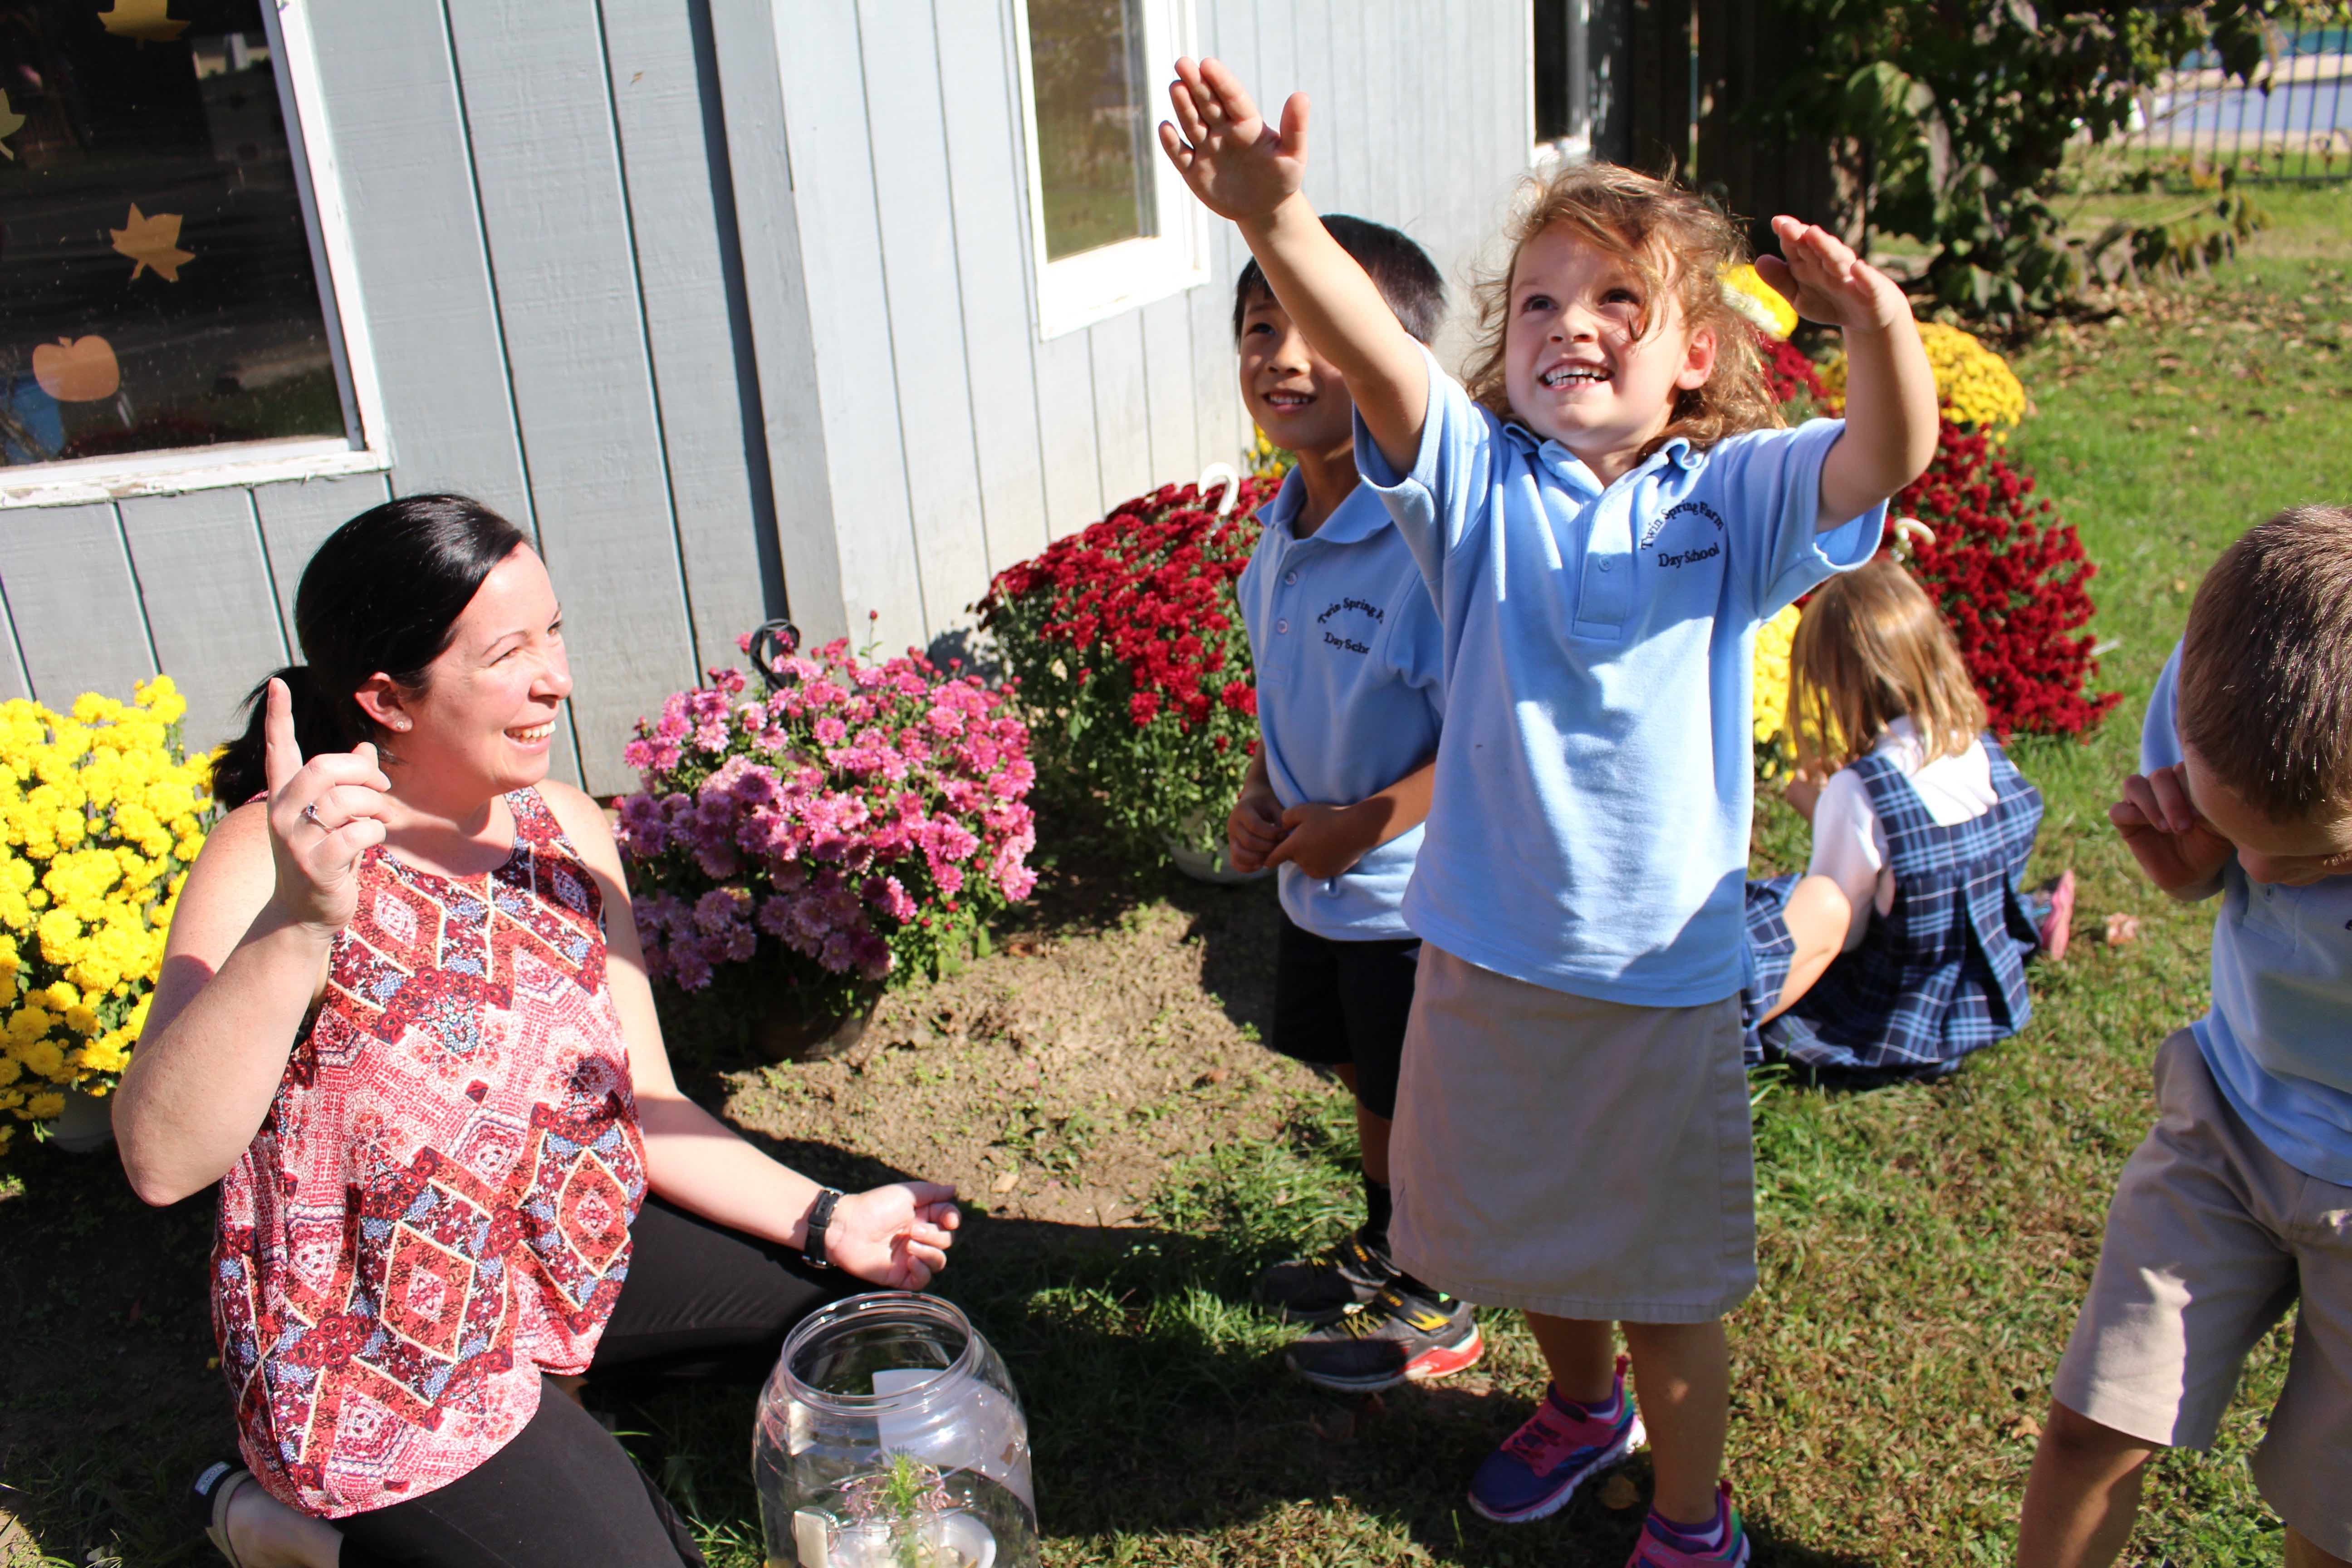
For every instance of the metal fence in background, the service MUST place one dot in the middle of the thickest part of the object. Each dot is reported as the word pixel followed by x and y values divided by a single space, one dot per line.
pixel 2289 122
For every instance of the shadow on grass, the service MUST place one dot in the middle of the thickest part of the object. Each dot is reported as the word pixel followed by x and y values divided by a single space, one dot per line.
pixel 1162 1417
pixel 1162 1413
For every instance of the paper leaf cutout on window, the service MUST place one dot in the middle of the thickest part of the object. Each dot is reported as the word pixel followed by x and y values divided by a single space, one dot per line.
pixel 145 20
pixel 152 242
pixel 76 369
pixel 10 123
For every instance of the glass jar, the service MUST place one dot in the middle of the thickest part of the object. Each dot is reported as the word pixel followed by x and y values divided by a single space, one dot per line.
pixel 889 1436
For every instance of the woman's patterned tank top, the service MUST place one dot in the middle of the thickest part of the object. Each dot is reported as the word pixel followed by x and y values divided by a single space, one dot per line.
pixel 436 1208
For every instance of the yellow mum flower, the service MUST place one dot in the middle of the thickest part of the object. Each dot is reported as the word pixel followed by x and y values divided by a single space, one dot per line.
pixel 1774 752
pixel 1974 385
pixel 101 812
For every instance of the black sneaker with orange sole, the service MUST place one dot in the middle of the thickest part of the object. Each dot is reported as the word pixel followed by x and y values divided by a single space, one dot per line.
pixel 1398 1336
pixel 1317 1290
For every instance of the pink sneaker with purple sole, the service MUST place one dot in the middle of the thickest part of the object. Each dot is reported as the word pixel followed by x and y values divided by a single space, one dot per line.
pixel 1664 1544
pixel 1556 1450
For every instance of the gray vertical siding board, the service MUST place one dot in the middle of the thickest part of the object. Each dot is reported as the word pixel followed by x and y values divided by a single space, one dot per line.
pixel 833 184
pixel 906 124
pixel 1122 429
pixel 1217 427
pixel 674 216
pixel 400 149
pixel 1343 29
pixel 748 39
pixel 991 235
pixel 74 602
pixel 13 680
pixel 206 588
pixel 295 520
pixel 546 164
pixel 1376 21
pixel 403 153
pixel 1065 420
pixel 1169 394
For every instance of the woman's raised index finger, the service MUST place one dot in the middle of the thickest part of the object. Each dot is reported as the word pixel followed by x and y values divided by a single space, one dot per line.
pixel 281 754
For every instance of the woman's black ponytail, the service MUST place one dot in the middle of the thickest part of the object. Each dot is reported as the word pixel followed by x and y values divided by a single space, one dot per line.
pixel 382 596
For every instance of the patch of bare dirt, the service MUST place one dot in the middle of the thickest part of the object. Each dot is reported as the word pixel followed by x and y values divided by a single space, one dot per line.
pixel 1060 1077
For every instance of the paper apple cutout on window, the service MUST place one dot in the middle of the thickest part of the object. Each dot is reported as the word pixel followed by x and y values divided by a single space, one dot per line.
pixel 76 369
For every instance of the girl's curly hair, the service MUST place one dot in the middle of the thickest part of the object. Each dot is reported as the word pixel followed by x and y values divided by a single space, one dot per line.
pixel 1674 242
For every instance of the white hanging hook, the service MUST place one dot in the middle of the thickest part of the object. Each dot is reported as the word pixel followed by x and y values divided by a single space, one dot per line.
pixel 1222 474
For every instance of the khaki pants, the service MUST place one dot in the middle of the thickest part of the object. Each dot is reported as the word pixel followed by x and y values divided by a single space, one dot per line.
pixel 2211 1238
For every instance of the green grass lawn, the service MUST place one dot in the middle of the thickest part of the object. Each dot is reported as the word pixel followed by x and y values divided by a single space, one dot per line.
pixel 1923 1249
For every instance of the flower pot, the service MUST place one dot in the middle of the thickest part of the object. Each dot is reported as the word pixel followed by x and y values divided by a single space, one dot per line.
pixel 783 1034
pixel 85 1126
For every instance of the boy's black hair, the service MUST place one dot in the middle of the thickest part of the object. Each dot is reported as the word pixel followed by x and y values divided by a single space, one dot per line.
pixel 1398 268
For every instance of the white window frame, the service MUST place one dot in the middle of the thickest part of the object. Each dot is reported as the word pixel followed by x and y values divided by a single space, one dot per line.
pixel 1095 285
pixel 364 447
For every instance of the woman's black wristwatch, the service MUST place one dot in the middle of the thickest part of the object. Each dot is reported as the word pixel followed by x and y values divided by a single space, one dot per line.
pixel 813 1248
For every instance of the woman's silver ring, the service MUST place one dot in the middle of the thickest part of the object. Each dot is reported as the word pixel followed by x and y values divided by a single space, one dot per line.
pixel 310 815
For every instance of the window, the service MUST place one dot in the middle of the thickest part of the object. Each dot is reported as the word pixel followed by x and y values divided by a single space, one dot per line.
pixel 161 310
pixel 1563 84
pixel 1112 225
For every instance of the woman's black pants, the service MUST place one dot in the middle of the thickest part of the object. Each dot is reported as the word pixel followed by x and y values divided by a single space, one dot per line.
pixel 701 1302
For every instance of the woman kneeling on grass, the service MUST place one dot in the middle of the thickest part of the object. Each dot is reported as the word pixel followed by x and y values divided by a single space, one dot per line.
pixel 404 1021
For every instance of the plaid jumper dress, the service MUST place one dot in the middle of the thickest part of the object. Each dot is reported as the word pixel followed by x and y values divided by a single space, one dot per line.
pixel 1936 977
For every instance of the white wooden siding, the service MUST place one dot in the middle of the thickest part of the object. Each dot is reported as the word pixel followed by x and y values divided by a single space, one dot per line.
pixel 731 305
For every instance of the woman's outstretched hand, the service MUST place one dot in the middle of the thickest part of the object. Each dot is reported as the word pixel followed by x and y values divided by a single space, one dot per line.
pixel 1238 164
pixel 323 816
pixel 896 1236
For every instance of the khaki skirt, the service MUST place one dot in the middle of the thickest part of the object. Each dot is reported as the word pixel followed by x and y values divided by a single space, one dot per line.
pixel 1575 1158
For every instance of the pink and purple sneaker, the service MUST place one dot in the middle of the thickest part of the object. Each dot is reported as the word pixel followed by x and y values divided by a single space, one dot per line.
pixel 1665 1545
pixel 1539 1467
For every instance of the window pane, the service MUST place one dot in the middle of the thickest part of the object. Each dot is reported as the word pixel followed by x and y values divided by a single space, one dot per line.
pixel 1559 45
pixel 1094 134
pixel 156 282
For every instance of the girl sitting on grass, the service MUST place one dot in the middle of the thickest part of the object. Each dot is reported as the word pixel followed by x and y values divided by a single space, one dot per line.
pixel 1903 946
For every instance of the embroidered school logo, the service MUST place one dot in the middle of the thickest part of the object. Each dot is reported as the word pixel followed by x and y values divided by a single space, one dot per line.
pixel 1687 557
pixel 1697 507
pixel 1344 609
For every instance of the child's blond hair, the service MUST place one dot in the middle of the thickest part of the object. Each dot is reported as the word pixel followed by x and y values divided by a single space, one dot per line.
pixel 1872 649
pixel 1675 242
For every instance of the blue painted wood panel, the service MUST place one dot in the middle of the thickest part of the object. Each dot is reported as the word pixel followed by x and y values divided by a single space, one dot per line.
pixel 849 319
pixel 296 519
pixel 74 602
pixel 981 118
pixel 662 73
pixel 546 164
pixel 907 130
pixel 747 43
pixel 209 608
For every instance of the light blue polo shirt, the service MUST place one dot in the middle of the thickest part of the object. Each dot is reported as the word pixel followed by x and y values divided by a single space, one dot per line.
pixel 2279 1039
pixel 1349 663
pixel 1590 829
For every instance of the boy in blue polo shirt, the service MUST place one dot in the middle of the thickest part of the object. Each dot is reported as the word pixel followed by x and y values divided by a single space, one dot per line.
pixel 2240 1203
pixel 1346 645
